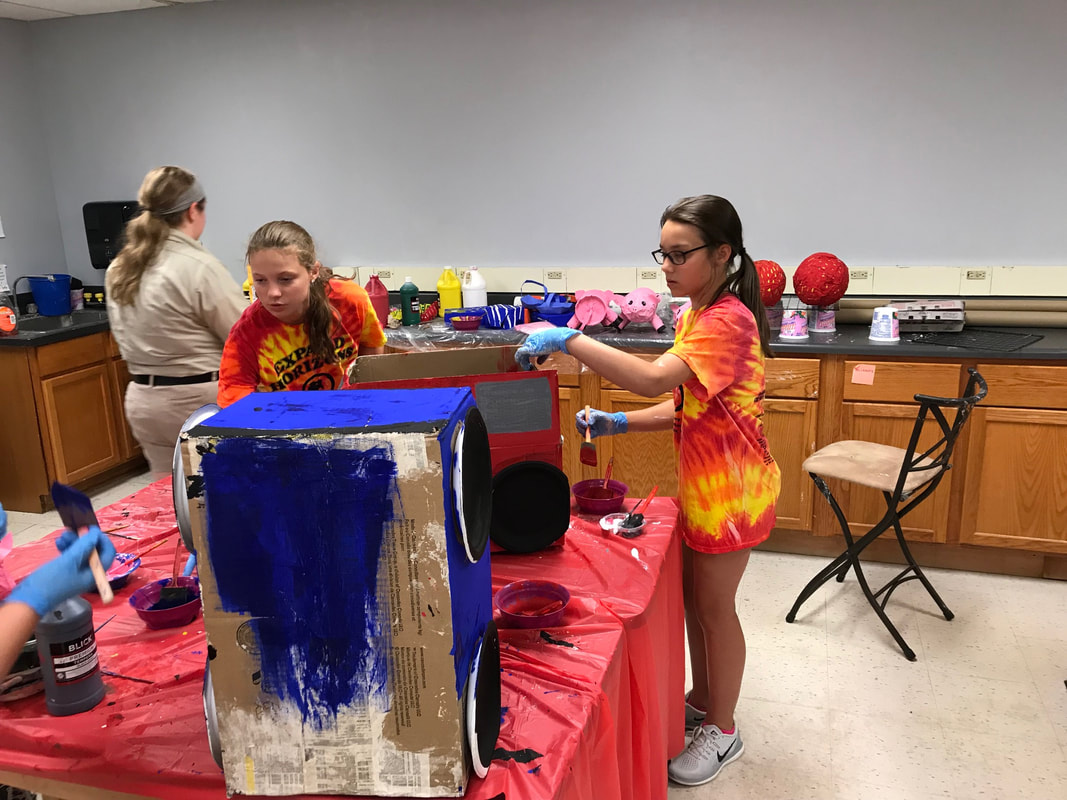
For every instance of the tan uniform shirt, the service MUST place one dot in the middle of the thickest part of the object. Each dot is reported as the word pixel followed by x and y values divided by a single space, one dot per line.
pixel 185 306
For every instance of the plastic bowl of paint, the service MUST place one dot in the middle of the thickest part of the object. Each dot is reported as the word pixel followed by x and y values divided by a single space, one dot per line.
pixel 469 322
pixel 157 614
pixel 124 565
pixel 593 497
pixel 532 604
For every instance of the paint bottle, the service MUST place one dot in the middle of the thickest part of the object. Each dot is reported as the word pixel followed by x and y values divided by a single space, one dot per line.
pixel 379 298
pixel 70 667
pixel 9 319
pixel 449 288
pixel 474 293
pixel 246 287
pixel 410 311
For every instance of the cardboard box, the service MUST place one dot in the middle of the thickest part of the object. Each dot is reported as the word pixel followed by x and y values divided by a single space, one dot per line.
pixel 342 611
pixel 521 409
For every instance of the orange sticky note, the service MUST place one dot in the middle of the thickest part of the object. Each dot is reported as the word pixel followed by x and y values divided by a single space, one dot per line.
pixel 863 373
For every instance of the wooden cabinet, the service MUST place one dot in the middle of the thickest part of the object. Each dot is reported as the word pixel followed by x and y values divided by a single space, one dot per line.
pixel 570 403
pixel 1016 490
pixel 119 377
pixel 63 418
pixel 642 460
pixel 789 426
pixel 79 413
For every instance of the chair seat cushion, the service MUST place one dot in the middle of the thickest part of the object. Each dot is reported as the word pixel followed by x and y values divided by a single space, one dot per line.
pixel 868 464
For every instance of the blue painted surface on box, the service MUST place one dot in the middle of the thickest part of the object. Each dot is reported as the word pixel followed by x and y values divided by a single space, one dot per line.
pixel 300 511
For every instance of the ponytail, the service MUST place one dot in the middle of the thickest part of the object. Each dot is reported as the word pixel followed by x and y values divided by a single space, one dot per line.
pixel 745 284
pixel 320 318
pixel 145 235
pixel 165 195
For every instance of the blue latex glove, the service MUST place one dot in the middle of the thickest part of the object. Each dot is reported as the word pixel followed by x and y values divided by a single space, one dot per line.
pixel 601 423
pixel 66 575
pixel 543 343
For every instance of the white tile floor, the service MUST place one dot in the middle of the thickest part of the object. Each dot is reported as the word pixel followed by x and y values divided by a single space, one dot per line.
pixel 831 710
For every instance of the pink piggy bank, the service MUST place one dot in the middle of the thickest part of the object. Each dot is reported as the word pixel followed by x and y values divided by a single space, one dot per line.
pixel 591 307
pixel 640 306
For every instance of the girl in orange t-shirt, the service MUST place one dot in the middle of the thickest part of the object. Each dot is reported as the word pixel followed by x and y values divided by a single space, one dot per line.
pixel 728 483
pixel 305 328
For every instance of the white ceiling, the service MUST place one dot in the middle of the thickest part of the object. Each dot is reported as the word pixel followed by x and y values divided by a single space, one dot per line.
pixel 30 10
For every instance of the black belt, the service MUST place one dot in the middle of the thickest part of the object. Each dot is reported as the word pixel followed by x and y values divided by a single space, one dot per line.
pixel 166 380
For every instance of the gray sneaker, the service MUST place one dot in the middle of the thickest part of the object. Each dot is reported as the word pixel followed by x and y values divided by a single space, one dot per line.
pixel 709 752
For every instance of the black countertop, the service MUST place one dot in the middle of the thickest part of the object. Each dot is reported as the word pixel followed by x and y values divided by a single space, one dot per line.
pixel 847 340
pixel 37 331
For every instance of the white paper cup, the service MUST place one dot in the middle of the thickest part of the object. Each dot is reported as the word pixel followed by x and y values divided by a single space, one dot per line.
pixel 885 325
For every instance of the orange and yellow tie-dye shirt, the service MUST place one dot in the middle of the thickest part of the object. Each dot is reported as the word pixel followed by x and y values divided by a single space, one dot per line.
pixel 263 352
pixel 728 481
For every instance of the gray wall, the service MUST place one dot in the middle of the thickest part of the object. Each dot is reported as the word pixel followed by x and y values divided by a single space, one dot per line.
pixel 27 200
pixel 554 132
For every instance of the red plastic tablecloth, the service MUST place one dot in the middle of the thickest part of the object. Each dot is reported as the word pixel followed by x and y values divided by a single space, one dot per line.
pixel 592 708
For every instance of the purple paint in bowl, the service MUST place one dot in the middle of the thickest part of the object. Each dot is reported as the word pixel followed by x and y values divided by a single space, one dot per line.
pixel 532 604
pixel 145 602
pixel 599 505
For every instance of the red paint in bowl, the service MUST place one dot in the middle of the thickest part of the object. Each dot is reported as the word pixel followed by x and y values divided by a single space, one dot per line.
pixel 594 504
pixel 145 602
pixel 532 604
pixel 466 323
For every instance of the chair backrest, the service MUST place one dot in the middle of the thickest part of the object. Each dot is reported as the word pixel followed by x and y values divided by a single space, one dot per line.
pixel 935 459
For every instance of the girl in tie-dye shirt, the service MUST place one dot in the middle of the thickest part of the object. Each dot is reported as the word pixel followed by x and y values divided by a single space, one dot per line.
pixel 305 328
pixel 728 481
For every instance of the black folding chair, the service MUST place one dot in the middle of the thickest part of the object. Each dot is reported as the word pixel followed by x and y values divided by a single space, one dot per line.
pixel 916 477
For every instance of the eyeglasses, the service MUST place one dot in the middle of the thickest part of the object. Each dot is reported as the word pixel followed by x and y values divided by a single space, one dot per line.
pixel 676 257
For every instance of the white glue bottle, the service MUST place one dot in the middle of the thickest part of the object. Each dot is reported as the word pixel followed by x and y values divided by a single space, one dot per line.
pixel 474 293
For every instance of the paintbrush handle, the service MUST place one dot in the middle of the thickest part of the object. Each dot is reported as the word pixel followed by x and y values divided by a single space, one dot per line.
pixel 153 547
pixel 643 505
pixel 588 438
pixel 102 584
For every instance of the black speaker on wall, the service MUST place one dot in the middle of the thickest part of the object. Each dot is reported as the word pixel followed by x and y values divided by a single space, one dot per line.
pixel 105 223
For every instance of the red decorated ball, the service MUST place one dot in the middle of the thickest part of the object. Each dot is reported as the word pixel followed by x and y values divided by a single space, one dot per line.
pixel 821 279
pixel 771 282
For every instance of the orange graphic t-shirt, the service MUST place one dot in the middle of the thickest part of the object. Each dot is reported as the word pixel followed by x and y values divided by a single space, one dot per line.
pixel 728 483
pixel 263 352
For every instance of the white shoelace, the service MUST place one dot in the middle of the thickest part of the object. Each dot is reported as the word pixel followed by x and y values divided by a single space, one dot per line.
pixel 706 743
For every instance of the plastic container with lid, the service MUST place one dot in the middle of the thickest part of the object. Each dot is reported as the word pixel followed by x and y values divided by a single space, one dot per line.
pixel 410 311
pixel 474 291
pixel 450 290
pixel 379 298
pixel 9 315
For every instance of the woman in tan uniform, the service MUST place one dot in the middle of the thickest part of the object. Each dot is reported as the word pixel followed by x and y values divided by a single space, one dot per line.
pixel 171 305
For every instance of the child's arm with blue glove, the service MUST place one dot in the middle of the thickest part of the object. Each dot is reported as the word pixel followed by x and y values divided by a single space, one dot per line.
pixel 646 378
pixel 46 587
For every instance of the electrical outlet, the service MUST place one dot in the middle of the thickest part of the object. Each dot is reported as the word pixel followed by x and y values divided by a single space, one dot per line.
pixel 977 274
pixel 385 274
pixel 859 274
pixel 649 274
pixel 554 275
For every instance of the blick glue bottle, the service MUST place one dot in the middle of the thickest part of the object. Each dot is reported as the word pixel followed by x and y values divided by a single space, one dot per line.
pixel 410 312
